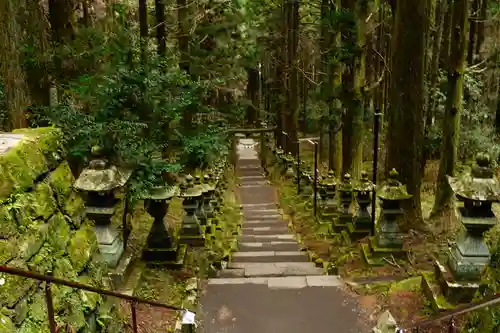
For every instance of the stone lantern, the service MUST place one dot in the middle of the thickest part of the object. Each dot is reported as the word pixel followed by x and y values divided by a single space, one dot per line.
pixel 208 196
pixel 388 240
pixel 200 211
pixel 329 186
pixel 288 171
pixel 469 255
pixel 361 225
pixel 161 247
pixel 306 185
pixel 191 232
pixel 98 182
pixel 345 199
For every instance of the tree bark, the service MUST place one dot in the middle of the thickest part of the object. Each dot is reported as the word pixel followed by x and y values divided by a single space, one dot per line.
pixel 405 132
pixel 11 71
pixel 444 54
pixel 472 31
pixel 160 28
pixel 252 96
pixel 451 124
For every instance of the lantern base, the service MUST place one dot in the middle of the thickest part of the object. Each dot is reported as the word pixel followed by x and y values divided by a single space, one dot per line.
pixel 110 244
pixel 172 258
pixel 341 222
pixel 467 267
pixel 374 254
pixel 444 291
pixel 357 230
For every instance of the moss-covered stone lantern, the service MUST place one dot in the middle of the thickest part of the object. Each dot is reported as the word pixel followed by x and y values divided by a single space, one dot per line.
pixel 288 171
pixel 469 255
pixel 98 183
pixel 329 186
pixel 161 247
pixel 191 232
pixel 200 211
pixel 388 240
pixel 345 198
pixel 361 225
pixel 208 195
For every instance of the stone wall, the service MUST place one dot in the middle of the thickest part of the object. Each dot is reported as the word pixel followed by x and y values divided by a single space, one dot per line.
pixel 43 228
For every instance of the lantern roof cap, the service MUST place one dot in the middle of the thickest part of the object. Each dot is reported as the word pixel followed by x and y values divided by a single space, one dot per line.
pixel 162 192
pixel 364 184
pixel 479 183
pixel 392 189
pixel 329 180
pixel 100 175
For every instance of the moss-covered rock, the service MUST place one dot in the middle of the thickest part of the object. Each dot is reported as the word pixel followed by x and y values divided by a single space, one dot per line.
pixel 89 299
pixel 61 180
pixel 74 311
pixel 14 175
pixel 38 308
pixel 74 207
pixel 59 232
pixel 8 250
pixel 82 246
pixel 97 269
pixel 48 141
pixel 8 225
pixel 43 260
pixel 13 287
pixel 21 311
pixel 6 325
pixel 39 204
pixel 30 326
pixel 31 242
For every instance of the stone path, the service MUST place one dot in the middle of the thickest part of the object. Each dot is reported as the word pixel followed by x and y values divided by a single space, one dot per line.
pixel 270 286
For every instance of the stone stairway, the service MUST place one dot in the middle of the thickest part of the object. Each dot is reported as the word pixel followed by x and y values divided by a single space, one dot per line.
pixel 270 286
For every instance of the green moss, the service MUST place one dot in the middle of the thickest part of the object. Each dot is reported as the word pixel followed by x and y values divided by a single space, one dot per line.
pixel 97 269
pixel 32 240
pixel 14 287
pixel 38 308
pixel 34 205
pixel 8 250
pixel 59 232
pixel 61 180
pixel 81 247
pixel 74 311
pixel 6 325
pixel 14 175
pixel 74 208
pixel 8 226
pixel 48 141
pixel 89 299
pixel 411 284
pixel 29 326
pixel 42 261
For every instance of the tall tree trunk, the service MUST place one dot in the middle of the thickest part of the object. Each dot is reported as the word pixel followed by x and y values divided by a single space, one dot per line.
pixel 433 74
pixel 144 29
pixel 405 132
pixel 183 23
pixel 14 84
pixel 160 27
pixel 472 31
pixel 444 55
pixel 451 124
pixel 481 24
pixel 293 94
pixel 252 116
pixel 353 122
pixel 61 20
pixel 334 103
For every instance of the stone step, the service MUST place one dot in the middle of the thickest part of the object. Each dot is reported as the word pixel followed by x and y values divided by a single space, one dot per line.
pixel 261 212
pixel 254 183
pixel 265 205
pixel 265 230
pixel 270 256
pixel 267 238
pixel 268 216
pixel 256 177
pixel 286 282
pixel 276 269
pixel 268 223
pixel 272 246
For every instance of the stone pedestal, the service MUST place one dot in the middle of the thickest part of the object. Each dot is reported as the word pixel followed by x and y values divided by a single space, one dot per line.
pixel 362 223
pixel 345 198
pixel 191 233
pixel 388 240
pixel 161 248
pixel 328 208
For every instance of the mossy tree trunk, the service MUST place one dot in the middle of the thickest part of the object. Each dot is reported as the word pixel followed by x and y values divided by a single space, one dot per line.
pixel 252 115
pixel 160 27
pixel 433 73
pixel 335 85
pixel 451 123
pixel 405 115
pixel 353 135
pixel 11 71
pixel 444 54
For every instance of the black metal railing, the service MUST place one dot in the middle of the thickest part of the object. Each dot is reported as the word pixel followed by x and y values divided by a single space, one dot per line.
pixel 451 315
pixel 49 280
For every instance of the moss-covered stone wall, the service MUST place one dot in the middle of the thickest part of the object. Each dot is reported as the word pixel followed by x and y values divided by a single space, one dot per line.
pixel 43 228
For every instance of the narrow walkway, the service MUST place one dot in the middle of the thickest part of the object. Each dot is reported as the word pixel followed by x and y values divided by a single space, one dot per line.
pixel 270 286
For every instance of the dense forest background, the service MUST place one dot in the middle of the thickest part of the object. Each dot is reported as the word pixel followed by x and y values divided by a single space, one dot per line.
pixel 167 78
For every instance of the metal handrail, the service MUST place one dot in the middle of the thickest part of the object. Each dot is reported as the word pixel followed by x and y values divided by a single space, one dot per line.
pixel 451 314
pixel 48 279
